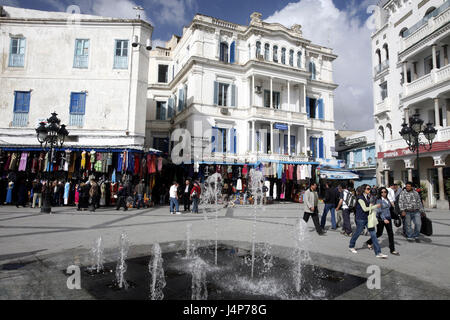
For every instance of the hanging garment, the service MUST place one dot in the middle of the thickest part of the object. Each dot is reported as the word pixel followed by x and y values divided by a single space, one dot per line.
pixel 119 162
pixel 143 166
pixel 245 171
pixel 13 164
pixel 279 171
pixel 267 184
pixel 160 164
pixel 66 193
pixel 77 195
pixel 98 166
pixel 68 161
pixel 137 162
pixel 8 162
pixel 275 191
pixel 299 173
pixel 291 172
pixel 23 161
pixel 92 160
pixel 105 162
pixel 113 177
pixel 83 160
pixel 34 164
pixel 149 160
pixel 152 168
pixel 9 193
pixel 239 185
pixel 109 159
pixel 283 190
pixel 103 194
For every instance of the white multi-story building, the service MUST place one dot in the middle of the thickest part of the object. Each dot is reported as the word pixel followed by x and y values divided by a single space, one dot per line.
pixel 412 76
pixel 257 93
pixel 83 67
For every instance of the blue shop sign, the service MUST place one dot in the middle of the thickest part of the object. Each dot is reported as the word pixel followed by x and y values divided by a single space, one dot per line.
pixel 280 126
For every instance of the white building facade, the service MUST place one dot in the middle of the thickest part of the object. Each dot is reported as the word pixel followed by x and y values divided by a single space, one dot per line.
pixel 84 69
pixel 254 93
pixel 412 76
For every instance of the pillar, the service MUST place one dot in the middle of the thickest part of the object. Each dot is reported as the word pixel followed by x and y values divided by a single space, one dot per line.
pixel 305 140
pixel 271 138
pixel 436 112
pixel 304 99
pixel 289 139
pixel 406 115
pixel 410 175
pixel 253 90
pixel 444 114
pixel 433 50
pixel 289 95
pixel 439 163
pixel 271 93
pixel 405 73
pixel 441 183
pixel 253 137
pixel 386 178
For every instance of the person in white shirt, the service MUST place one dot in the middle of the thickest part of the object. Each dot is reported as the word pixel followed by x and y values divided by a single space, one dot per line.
pixel 173 197
pixel 392 193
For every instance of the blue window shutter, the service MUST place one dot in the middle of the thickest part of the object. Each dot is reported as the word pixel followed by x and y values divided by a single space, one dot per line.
pixel 234 140
pixel 216 92
pixel 213 139
pixel 321 151
pixel 26 102
pixel 307 107
pixel 285 143
pixel 233 95
pixel 321 109
pixel 312 146
pixel 232 51
pixel 73 103
pixel 315 109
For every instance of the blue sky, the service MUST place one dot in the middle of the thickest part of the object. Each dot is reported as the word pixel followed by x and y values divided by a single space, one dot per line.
pixel 343 25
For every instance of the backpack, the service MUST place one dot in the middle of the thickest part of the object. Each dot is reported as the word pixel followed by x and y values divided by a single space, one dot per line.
pixel 350 201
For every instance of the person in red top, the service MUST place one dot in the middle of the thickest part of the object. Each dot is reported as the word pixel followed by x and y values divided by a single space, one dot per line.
pixel 195 196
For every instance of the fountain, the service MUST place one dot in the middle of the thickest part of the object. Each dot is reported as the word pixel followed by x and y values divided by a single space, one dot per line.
pixel 189 247
pixel 301 254
pixel 97 258
pixel 199 289
pixel 256 186
pixel 213 190
pixel 158 281
pixel 121 267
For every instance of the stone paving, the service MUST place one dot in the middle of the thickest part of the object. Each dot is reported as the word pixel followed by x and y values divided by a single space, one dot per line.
pixel 36 247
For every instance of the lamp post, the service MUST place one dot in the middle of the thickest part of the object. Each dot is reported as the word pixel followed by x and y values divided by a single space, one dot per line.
pixel 411 134
pixel 50 134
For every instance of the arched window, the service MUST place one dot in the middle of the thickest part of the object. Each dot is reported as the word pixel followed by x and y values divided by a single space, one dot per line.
pixel 403 32
pixel 429 12
pixel 275 54
pixel 283 55
pixel 389 131
pixel 381 132
pixel 266 51
pixel 258 49
pixel 299 59
pixel 386 49
pixel 224 51
pixel 378 53
pixel 291 58
pixel 312 69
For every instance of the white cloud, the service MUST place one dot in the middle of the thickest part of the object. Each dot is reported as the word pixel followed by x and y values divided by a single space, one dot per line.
pixel 174 12
pixel 159 43
pixel 343 31
pixel 116 9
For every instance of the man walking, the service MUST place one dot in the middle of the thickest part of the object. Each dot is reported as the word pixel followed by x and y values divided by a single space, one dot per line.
pixel 93 194
pixel 330 202
pixel 311 200
pixel 344 202
pixel 37 193
pixel 122 195
pixel 411 208
pixel 195 195
pixel 139 190
pixel 173 198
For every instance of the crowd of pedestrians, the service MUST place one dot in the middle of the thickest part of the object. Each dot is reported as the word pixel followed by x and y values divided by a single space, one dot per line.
pixel 374 209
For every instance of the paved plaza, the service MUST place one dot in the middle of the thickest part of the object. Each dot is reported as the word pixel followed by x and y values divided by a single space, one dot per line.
pixel 36 247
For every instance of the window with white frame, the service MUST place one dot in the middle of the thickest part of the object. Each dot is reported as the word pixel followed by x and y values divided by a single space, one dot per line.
pixel 17 52
pixel 121 54
pixel 81 58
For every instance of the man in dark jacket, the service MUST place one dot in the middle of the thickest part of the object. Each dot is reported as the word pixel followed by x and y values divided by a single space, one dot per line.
pixel 187 196
pixel 122 195
pixel 139 195
pixel 330 205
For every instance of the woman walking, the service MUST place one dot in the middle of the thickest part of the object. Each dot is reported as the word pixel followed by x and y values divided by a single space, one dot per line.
pixel 366 217
pixel 384 220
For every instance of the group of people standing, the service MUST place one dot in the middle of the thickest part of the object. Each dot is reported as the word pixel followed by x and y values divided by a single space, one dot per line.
pixel 373 211
pixel 188 193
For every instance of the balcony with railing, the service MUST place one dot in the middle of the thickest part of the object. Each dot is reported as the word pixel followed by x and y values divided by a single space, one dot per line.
pixel 81 62
pixel 20 119
pixel 383 106
pixel 430 23
pixel 381 67
pixel 76 120
pixel 433 78
pixel 16 60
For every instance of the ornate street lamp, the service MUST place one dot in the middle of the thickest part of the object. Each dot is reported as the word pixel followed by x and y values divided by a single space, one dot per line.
pixel 411 134
pixel 50 134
